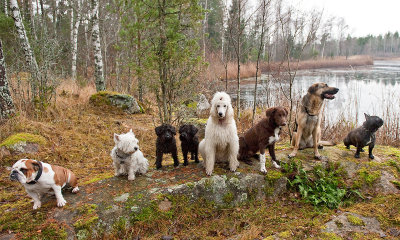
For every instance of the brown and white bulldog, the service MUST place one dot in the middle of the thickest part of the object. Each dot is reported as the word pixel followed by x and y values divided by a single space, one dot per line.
pixel 39 178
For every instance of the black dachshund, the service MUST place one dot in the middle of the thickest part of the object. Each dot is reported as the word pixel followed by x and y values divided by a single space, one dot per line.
pixel 189 142
pixel 364 135
pixel 166 143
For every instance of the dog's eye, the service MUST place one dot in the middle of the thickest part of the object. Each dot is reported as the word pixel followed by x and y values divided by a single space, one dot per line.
pixel 24 170
pixel 224 105
pixel 217 105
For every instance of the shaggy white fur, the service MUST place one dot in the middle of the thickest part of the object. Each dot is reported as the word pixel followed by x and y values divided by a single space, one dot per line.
pixel 127 158
pixel 221 142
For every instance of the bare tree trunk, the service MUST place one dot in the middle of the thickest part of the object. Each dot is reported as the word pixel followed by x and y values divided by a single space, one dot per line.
pixel 98 58
pixel 74 39
pixel 29 58
pixel 260 48
pixel 6 102
pixel 238 58
pixel 204 30
pixel 5 7
pixel 32 19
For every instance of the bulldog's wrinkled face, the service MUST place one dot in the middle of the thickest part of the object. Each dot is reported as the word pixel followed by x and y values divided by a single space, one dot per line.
pixel 127 144
pixel 24 170
pixel 323 90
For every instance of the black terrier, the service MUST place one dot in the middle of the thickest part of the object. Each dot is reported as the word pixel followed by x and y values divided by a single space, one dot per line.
pixel 364 135
pixel 166 143
pixel 189 142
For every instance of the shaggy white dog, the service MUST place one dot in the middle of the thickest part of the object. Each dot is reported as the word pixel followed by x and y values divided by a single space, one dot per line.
pixel 127 158
pixel 221 142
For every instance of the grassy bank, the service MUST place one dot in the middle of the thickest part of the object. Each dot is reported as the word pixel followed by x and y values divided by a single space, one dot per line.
pixel 248 70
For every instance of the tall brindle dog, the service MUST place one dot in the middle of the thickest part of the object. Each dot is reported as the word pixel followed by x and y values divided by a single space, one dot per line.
pixel 308 119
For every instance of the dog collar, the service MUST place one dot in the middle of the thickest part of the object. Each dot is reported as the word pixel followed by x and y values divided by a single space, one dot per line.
pixel 38 175
pixel 308 113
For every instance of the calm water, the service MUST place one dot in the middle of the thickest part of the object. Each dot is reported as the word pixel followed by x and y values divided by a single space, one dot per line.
pixel 374 90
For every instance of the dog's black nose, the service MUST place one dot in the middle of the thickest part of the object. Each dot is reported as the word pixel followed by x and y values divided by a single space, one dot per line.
pixel 135 148
pixel 14 175
pixel 336 90
pixel 220 114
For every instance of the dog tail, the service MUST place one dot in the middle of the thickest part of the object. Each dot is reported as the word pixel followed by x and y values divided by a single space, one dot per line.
pixel 327 143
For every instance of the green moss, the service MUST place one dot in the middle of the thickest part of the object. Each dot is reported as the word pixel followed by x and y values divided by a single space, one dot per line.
pixel 330 236
pixel 23 137
pixel 228 198
pixel 190 185
pixel 273 175
pixel 86 209
pixel 339 224
pixel 396 183
pixel 285 234
pixel 356 221
pixel 52 231
pixel 366 176
pixel 86 222
pixel 192 105
pixel 200 121
pixel 98 178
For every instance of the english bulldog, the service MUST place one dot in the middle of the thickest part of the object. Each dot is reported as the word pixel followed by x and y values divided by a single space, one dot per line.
pixel 39 178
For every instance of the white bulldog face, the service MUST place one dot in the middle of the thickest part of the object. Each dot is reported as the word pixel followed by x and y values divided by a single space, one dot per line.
pixel 127 144
pixel 24 170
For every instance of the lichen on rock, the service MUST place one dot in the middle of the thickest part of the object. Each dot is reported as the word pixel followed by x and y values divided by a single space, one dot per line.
pixel 122 101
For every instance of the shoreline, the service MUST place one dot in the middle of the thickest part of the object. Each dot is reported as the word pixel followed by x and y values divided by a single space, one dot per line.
pixel 248 70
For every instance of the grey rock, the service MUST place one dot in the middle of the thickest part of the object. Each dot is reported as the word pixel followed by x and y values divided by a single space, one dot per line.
pixel 202 106
pixel 123 198
pixel 384 186
pixel 20 148
pixel 341 226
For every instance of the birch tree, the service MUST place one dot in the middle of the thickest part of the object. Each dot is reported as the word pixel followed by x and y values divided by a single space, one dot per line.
pixel 264 11
pixel 74 37
pixel 5 7
pixel 24 41
pixel 98 58
pixel 6 102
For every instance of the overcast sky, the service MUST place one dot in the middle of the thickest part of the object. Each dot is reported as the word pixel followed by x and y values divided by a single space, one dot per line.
pixel 363 16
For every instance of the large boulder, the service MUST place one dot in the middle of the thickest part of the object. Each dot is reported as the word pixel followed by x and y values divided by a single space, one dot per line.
pixel 123 101
pixel 21 143
pixel 202 106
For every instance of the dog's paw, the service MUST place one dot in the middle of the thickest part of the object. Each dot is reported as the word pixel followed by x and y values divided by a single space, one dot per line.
pixel 61 203
pixel 131 177
pixel 185 163
pixel 263 169
pixel 348 147
pixel 276 165
pixel 362 150
pixel 37 205
pixel 75 190
pixel 371 156
pixel 209 173
pixel 357 156
pixel 292 155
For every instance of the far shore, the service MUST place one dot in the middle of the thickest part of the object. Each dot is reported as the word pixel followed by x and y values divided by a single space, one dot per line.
pixel 248 70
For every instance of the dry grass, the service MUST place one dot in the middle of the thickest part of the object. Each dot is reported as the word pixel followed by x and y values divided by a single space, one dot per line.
pixel 248 70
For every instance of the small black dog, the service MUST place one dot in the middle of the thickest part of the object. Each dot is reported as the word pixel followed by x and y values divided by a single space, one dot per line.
pixel 364 135
pixel 166 143
pixel 189 142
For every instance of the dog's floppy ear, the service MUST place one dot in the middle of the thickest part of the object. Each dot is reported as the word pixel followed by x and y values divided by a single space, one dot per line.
pixel 181 129
pixel 159 130
pixel 313 88
pixel 366 116
pixel 116 138
pixel 193 129
pixel 36 166
pixel 270 111
pixel 173 130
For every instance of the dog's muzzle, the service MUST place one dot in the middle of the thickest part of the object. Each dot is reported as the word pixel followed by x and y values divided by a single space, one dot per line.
pixel 330 94
pixel 220 114
pixel 14 176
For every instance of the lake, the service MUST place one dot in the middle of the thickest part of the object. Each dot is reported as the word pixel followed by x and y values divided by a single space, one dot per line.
pixel 372 89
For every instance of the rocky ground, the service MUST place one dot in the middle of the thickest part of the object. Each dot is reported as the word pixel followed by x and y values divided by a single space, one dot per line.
pixel 184 203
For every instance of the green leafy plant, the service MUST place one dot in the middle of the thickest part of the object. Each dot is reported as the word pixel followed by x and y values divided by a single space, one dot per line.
pixel 322 186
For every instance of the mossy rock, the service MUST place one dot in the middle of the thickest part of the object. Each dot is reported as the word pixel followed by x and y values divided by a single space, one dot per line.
pixel 23 143
pixel 356 221
pixel 123 101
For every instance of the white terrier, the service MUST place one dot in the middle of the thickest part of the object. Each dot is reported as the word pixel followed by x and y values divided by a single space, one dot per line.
pixel 127 158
